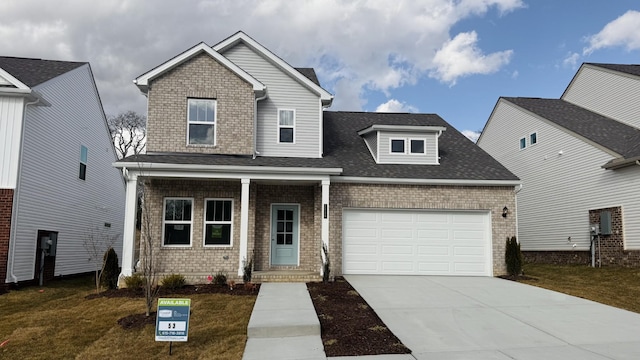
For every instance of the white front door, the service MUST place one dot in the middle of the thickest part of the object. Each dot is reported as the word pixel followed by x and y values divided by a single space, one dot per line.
pixel 285 225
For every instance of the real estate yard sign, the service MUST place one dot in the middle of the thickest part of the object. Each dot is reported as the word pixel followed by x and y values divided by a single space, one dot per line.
pixel 172 320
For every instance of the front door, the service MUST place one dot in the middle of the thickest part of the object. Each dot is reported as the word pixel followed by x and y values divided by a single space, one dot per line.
pixel 284 234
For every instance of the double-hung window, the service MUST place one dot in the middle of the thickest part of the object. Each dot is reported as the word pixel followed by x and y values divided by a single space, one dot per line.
pixel 202 121
pixel 84 157
pixel 218 222
pixel 286 125
pixel 177 221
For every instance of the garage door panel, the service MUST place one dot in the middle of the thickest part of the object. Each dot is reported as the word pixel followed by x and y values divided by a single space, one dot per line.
pixel 416 242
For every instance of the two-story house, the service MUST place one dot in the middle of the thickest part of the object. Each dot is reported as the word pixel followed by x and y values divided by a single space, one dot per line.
pixel 578 158
pixel 244 162
pixel 57 186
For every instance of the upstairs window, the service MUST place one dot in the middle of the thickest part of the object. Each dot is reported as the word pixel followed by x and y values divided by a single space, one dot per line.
pixel 286 125
pixel 177 222
pixel 523 143
pixel 397 146
pixel 417 146
pixel 218 222
pixel 84 155
pixel 202 122
pixel 533 138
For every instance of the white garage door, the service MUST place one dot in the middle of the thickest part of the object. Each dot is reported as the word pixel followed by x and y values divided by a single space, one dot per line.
pixel 415 242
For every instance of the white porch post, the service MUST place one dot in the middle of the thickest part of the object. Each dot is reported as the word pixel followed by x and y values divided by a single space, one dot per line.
pixel 129 236
pixel 325 219
pixel 244 224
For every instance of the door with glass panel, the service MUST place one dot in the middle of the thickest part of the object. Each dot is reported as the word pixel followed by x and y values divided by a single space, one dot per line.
pixel 284 234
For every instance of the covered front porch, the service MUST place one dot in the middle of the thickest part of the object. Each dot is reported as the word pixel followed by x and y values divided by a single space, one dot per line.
pixel 279 220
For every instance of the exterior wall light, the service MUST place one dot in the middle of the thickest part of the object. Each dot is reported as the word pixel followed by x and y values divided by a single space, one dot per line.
pixel 505 212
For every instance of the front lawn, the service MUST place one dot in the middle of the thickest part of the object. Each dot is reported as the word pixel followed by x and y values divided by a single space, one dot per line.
pixel 615 286
pixel 60 323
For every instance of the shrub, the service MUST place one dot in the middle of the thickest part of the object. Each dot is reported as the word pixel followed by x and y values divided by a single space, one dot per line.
pixel 513 257
pixel 111 270
pixel 220 278
pixel 326 266
pixel 135 281
pixel 174 281
pixel 246 270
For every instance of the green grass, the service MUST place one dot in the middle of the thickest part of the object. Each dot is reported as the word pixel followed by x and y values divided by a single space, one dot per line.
pixel 615 286
pixel 59 323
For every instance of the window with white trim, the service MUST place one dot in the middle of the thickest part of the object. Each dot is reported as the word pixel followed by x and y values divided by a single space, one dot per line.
pixel 397 146
pixel 201 116
pixel 84 157
pixel 523 143
pixel 218 222
pixel 417 147
pixel 533 138
pixel 177 221
pixel 286 125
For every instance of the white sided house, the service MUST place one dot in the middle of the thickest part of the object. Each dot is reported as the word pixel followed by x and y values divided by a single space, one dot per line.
pixel 57 185
pixel 578 158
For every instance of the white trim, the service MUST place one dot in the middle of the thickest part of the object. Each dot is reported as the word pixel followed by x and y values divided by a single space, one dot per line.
pixel 190 222
pixel 213 222
pixel 321 130
pixel 531 143
pixel 424 146
pixel 324 225
pixel 128 239
pixel 143 80
pixel 404 141
pixel 402 128
pixel 271 232
pixel 240 36
pixel 20 86
pixel 133 166
pixel 520 147
pixel 214 123
pixel 408 181
pixel 293 127
pixel 244 224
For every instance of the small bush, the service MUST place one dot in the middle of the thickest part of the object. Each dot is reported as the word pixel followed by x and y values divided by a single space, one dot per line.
pixel 174 281
pixel 513 257
pixel 220 278
pixel 326 266
pixel 246 270
pixel 135 281
pixel 111 270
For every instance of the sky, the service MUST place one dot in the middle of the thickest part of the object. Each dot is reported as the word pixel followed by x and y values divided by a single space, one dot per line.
pixel 454 58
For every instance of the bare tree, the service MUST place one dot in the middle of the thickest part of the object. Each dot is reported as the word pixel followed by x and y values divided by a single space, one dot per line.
pixel 96 243
pixel 148 258
pixel 128 132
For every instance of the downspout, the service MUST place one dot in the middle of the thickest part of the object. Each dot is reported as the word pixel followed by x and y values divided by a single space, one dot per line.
pixel 14 214
pixel 255 124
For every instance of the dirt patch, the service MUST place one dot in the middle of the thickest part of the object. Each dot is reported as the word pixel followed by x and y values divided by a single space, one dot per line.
pixel 349 326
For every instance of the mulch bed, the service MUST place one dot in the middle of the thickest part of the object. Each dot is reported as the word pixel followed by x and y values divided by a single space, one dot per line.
pixel 349 326
pixel 137 321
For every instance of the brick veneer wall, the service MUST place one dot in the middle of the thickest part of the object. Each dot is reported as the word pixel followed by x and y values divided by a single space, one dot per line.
pixel 493 199
pixel 6 208
pixel 557 257
pixel 197 261
pixel 611 250
pixel 200 77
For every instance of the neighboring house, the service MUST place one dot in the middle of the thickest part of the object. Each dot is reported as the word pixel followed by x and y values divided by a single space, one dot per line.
pixel 578 159
pixel 57 185
pixel 243 163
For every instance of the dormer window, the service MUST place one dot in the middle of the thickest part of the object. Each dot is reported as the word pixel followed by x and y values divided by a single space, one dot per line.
pixel 286 125
pixel 403 144
pixel 417 146
pixel 397 146
pixel 202 122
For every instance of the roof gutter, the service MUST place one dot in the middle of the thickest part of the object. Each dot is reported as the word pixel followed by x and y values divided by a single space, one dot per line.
pixel 408 181
pixel 621 162
pixel 255 123
pixel 227 168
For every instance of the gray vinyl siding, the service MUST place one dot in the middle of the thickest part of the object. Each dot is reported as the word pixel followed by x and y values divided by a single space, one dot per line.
pixel 50 194
pixel 559 189
pixel 11 109
pixel 608 93
pixel 429 158
pixel 371 140
pixel 283 93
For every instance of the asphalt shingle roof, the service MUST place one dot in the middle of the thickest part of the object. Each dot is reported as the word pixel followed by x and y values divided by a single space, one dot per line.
pixel 461 159
pixel 310 74
pixel 609 133
pixel 33 72
pixel 629 69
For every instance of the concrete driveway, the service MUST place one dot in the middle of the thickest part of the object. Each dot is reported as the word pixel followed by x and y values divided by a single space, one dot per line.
pixel 490 318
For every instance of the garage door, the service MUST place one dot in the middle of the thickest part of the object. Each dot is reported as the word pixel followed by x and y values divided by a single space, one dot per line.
pixel 415 242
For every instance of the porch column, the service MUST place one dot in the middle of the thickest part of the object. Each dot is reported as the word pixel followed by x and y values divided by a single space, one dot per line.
pixel 244 224
pixel 129 235
pixel 325 219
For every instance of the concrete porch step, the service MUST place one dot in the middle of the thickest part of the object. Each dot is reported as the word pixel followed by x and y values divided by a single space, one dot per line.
pixel 296 276
pixel 283 310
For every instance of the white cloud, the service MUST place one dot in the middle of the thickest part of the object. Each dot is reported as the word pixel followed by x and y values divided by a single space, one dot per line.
pixel 515 74
pixel 396 106
pixel 471 135
pixel 571 60
pixel 461 57
pixel 354 46
pixel 623 31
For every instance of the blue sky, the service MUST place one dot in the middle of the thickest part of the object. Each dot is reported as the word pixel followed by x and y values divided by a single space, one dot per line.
pixel 450 57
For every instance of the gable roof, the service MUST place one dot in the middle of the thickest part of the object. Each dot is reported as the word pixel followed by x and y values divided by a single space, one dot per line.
pixel 142 81
pixel 461 161
pixel 32 72
pixel 630 69
pixel 621 139
pixel 241 37
pixel 310 74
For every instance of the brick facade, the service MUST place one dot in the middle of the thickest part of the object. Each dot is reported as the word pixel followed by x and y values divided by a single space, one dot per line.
pixel 557 257
pixel 611 247
pixel 6 208
pixel 200 77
